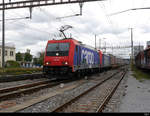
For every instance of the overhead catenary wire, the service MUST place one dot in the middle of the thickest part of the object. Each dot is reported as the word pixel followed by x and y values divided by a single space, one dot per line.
pixel 19 18
pixel 108 18
pixel 26 25
pixel 75 29
pixel 62 21
pixel 133 9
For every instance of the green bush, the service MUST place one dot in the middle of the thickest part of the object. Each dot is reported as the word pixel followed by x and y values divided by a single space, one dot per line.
pixel 16 71
pixel 139 74
pixel 12 64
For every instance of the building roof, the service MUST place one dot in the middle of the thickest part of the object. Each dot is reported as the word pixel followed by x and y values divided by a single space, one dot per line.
pixel 12 47
pixel 8 45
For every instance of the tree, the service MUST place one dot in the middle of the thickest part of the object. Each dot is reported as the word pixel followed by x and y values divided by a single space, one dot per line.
pixel 19 56
pixel 35 61
pixel 27 57
pixel 41 57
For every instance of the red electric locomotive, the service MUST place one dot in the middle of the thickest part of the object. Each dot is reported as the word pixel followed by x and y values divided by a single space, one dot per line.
pixel 58 56
pixel 69 56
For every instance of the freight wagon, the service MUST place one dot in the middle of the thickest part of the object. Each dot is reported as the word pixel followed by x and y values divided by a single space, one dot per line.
pixel 106 62
pixel 113 60
pixel 142 60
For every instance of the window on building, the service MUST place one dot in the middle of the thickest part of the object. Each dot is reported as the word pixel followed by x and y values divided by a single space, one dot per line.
pixel 11 53
pixel 6 53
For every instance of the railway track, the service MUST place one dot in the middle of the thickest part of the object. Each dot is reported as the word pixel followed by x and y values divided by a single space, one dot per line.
pixel 93 99
pixel 28 88
pixel 16 91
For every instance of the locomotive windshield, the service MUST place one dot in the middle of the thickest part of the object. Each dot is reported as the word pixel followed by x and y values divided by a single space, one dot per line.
pixel 57 49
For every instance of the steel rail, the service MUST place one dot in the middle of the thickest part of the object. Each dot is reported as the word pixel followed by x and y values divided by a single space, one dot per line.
pixel 108 97
pixel 28 104
pixel 8 89
pixel 31 102
pixel 12 92
pixel 59 108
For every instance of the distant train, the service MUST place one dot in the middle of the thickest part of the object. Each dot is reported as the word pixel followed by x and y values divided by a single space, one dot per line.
pixel 69 56
pixel 142 60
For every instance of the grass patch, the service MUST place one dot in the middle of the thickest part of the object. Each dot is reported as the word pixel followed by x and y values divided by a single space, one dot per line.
pixel 139 74
pixel 18 71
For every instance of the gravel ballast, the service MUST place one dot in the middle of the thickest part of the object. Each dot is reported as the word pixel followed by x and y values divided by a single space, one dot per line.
pixel 53 102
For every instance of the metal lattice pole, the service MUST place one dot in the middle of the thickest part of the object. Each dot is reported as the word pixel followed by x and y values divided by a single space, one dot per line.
pixel 3 35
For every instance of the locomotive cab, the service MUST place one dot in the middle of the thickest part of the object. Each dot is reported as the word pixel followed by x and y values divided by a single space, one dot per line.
pixel 56 59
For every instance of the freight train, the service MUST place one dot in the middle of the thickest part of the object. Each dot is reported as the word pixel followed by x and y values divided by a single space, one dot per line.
pixel 69 56
pixel 142 60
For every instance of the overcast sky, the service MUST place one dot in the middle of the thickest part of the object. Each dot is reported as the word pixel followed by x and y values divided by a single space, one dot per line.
pixel 44 25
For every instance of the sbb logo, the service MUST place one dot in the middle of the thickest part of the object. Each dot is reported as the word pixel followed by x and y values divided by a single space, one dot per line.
pixel 87 56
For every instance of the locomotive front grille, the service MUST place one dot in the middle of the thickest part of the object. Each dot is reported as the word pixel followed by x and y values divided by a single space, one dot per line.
pixel 56 69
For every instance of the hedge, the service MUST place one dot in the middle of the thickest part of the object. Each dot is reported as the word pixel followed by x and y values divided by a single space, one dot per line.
pixel 16 71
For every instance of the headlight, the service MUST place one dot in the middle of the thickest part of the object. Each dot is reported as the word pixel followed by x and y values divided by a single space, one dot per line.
pixel 66 63
pixel 47 63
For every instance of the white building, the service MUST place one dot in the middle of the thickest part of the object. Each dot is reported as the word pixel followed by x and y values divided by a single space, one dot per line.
pixel 10 54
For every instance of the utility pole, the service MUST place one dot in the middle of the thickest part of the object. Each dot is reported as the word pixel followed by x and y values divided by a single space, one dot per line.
pixel 95 41
pixel 139 47
pixel 99 43
pixel 131 45
pixel 105 44
pixel 112 50
pixel 3 35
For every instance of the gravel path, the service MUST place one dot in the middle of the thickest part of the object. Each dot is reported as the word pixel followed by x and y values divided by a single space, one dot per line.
pixel 114 102
pixel 137 98
pixel 131 96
